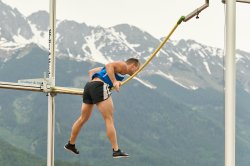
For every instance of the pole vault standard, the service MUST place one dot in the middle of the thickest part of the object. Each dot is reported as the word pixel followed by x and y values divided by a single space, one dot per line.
pixel 51 95
pixel 230 79
pixel 230 84
pixel 46 85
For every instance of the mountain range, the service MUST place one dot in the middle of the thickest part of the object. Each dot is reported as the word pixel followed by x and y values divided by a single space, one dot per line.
pixel 176 105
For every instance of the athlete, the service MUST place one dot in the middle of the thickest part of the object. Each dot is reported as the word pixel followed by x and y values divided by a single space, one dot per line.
pixel 98 92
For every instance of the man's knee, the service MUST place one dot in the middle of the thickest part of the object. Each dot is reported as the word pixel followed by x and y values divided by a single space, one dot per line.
pixel 85 114
pixel 109 120
pixel 83 119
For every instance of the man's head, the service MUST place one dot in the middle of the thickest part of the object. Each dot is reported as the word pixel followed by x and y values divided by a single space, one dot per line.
pixel 133 65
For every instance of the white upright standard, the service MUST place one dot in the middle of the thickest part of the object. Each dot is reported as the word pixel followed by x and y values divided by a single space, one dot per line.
pixel 230 81
pixel 230 72
pixel 51 96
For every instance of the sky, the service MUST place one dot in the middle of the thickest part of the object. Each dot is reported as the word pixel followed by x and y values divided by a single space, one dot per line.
pixel 157 17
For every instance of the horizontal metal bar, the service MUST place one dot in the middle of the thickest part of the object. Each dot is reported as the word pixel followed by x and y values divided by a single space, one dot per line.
pixel 66 90
pixel 243 1
pixel 39 88
pixel 197 11
pixel 20 86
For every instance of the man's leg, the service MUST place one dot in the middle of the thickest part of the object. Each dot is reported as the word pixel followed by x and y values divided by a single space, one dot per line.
pixel 106 108
pixel 86 112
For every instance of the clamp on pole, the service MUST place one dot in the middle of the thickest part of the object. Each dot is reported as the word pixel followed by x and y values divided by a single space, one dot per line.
pixel 197 14
pixel 45 86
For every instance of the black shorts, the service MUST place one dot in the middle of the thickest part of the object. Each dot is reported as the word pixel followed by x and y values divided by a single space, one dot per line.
pixel 96 91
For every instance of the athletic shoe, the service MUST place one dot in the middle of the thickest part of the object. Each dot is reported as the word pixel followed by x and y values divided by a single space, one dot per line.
pixel 71 148
pixel 119 154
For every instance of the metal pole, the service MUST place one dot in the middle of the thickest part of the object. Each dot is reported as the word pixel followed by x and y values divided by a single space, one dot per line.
pixel 18 86
pixel 230 72
pixel 196 11
pixel 51 100
pixel 243 1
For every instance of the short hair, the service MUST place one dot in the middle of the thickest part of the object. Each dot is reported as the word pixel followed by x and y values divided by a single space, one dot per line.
pixel 133 61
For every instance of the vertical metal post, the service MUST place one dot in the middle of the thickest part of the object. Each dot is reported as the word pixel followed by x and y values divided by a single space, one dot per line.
pixel 51 100
pixel 230 75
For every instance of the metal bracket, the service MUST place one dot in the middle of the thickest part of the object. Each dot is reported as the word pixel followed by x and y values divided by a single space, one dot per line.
pixel 45 86
pixel 197 11
pixel 197 14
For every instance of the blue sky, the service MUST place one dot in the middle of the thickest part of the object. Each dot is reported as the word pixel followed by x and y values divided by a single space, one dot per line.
pixel 154 16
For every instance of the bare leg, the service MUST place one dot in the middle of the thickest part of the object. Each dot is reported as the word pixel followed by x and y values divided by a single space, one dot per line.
pixel 86 112
pixel 106 108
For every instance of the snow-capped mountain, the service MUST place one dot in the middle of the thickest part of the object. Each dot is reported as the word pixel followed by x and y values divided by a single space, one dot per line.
pixel 39 23
pixel 14 30
pixel 13 24
pixel 187 63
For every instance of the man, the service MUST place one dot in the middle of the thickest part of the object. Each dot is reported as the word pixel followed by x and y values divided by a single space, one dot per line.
pixel 97 91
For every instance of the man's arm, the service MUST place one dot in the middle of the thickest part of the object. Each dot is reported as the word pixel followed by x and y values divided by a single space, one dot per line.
pixel 115 67
pixel 93 71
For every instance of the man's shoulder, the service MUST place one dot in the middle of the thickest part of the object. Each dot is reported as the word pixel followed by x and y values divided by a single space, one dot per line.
pixel 121 64
pixel 124 66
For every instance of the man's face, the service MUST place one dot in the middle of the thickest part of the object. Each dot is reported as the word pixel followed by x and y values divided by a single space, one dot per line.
pixel 134 68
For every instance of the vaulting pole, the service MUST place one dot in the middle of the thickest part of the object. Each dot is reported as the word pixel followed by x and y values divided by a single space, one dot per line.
pixel 182 18
pixel 230 72
pixel 51 96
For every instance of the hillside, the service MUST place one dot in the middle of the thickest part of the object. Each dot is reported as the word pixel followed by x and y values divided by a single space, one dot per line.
pixel 10 155
pixel 154 126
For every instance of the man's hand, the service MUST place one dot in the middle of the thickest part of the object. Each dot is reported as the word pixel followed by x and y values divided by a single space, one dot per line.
pixel 117 85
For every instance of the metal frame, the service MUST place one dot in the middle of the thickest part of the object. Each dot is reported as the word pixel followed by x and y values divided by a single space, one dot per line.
pixel 243 1
pixel 230 74
pixel 230 81
pixel 46 85
pixel 42 87
pixel 197 11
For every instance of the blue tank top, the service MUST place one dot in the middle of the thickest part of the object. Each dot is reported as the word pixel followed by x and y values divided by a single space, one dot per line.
pixel 103 75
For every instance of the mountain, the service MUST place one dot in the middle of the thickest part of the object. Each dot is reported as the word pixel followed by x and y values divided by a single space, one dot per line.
pixel 151 128
pixel 10 155
pixel 171 114
pixel 157 128
pixel 13 30
pixel 38 18
pixel 187 63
